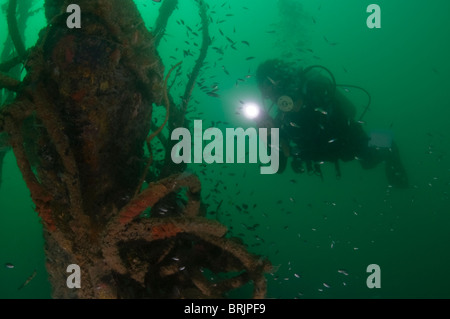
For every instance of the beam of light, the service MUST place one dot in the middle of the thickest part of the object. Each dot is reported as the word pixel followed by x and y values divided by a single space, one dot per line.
pixel 251 110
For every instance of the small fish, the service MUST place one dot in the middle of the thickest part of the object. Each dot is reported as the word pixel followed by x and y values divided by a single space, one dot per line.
pixel 317 109
pixel 29 279
pixel 229 40
pixel 342 271
pixel 225 70
pixel 250 58
pixel 246 42
pixel 9 265
pixel 329 42
pixel 156 0
pixel 272 81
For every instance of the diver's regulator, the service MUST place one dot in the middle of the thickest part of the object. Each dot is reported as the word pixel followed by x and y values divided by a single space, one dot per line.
pixel 285 103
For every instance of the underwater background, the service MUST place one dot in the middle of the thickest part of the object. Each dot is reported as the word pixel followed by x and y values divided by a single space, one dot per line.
pixel 319 235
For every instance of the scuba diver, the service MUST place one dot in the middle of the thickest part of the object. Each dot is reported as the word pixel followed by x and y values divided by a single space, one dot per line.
pixel 320 122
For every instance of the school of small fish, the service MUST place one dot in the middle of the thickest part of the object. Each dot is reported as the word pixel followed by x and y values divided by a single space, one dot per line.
pixel 237 204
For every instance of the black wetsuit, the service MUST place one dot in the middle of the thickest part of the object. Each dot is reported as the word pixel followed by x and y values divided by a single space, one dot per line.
pixel 324 129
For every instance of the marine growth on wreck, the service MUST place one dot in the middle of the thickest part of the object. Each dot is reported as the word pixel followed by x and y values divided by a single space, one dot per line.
pixel 80 126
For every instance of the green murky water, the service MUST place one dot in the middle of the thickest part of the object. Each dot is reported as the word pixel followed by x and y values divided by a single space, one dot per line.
pixel 320 235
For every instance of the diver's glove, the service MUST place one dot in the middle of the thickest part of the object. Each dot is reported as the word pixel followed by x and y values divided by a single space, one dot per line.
pixel 301 163
pixel 297 164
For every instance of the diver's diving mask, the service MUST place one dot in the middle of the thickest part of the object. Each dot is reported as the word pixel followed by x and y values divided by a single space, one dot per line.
pixel 285 103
